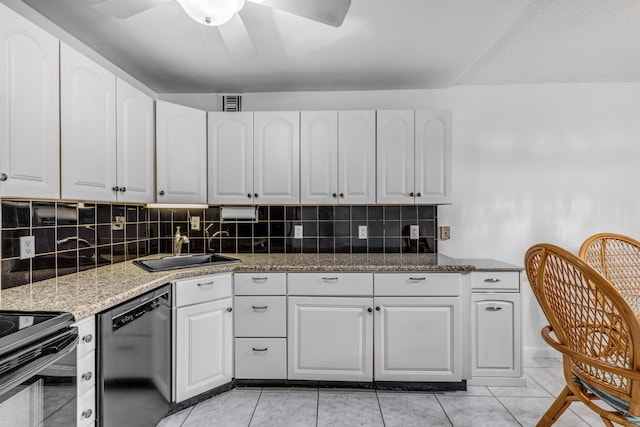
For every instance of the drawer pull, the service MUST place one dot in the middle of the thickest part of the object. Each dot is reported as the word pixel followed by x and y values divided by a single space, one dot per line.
pixel 330 279
pixel 492 280
pixel 260 349
pixel 87 376
pixel 259 307
pixel 205 285
pixel 417 279
pixel 259 279
pixel 87 338
pixel 493 308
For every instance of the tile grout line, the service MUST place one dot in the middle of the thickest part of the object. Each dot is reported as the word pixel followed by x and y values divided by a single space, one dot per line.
pixel 255 407
pixel 188 415
pixel 380 408
pixel 446 414
pixel 317 405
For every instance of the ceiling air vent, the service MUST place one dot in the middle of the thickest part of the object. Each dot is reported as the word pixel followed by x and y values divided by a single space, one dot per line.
pixel 231 103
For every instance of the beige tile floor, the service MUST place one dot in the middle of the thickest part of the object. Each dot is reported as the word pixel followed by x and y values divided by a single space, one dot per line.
pixel 477 407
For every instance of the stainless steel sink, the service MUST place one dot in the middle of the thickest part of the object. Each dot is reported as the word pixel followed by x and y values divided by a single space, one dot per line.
pixel 184 261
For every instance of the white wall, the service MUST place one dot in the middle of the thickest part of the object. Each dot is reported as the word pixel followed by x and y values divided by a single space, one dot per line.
pixel 532 163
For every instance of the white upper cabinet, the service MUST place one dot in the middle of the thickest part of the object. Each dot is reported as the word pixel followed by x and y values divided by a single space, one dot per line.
pixel 29 109
pixel 88 104
pixel 135 144
pixel 357 157
pixel 337 151
pixel 276 150
pixel 395 156
pixel 181 154
pixel 414 156
pixel 433 156
pixel 319 157
pixel 230 141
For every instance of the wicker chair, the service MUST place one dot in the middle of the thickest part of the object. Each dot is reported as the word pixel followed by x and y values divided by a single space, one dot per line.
pixel 596 331
pixel 617 258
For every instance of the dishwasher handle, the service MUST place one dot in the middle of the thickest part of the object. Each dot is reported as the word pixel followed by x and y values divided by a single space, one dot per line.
pixel 146 306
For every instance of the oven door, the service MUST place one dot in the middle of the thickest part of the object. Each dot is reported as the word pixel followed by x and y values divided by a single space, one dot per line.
pixel 38 384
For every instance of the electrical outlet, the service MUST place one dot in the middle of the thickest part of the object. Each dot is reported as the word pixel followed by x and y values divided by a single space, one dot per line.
pixel 445 232
pixel 27 247
pixel 118 224
pixel 362 232
pixel 195 223
pixel 414 232
pixel 297 232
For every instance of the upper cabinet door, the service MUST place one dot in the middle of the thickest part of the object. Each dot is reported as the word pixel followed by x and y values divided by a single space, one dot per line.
pixel 319 157
pixel 230 142
pixel 357 157
pixel 88 104
pixel 433 156
pixel 395 150
pixel 276 150
pixel 29 109
pixel 181 154
pixel 136 138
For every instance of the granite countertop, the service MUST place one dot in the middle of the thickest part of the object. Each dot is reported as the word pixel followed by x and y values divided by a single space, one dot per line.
pixel 92 291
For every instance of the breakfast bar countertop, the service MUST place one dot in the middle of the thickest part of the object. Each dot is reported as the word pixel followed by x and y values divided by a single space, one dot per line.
pixel 92 291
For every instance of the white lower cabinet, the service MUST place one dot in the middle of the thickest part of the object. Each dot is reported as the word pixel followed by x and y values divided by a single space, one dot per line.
pixel 330 339
pixel 261 358
pixel 418 339
pixel 203 335
pixel 496 348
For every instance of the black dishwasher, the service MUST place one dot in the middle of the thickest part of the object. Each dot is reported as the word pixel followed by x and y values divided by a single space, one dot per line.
pixel 134 361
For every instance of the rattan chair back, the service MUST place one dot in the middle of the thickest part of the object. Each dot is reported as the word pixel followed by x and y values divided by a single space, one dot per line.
pixel 617 258
pixel 591 324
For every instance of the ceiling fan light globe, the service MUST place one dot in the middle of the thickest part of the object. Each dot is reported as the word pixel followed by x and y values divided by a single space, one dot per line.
pixel 211 12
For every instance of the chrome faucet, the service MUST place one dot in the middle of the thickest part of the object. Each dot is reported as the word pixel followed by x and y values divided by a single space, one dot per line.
pixel 214 235
pixel 178 240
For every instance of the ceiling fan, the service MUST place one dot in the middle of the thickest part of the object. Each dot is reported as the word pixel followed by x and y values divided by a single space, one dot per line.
pixel 224 14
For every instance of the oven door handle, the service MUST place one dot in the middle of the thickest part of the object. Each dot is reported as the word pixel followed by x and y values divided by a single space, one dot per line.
pixel 52 350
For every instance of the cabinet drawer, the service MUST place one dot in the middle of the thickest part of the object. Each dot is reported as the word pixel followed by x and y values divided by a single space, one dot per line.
pixel 496 280
pixel 202 289
pixel 261 316
pixel 418 284
pixel 86 335
pixel 86 408
pixel 332 284
pixel 261 358
pixel 86 373
pixel 260 283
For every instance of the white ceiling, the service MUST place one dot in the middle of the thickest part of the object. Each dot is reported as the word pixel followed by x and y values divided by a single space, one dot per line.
pixel 383 44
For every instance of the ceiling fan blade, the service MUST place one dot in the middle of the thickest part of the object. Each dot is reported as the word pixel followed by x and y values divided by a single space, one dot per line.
pixel 125 8
pixel 237 39
pixel 330 12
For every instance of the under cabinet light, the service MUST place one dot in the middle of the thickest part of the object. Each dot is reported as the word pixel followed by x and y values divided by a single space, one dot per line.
pixel 178 205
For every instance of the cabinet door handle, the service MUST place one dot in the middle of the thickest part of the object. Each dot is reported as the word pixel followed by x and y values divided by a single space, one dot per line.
pixel 330 279
pixel 229 309
pixel 161 193
pixel 205 285
pixel 255 195
pixel 334 195
pixel 116 188
pixel 260 349
pixel 87 376
pixel 377 308
pixel 417 279
pixel 87 413
pixel 123 189
pixel 87 338
pixel 370 310
pixel 342 195
pixel 411 194
pixel 259 307
pixel 259 279
pixel 249 195
pixel 418 194
pixel 492 280
pixel 3 177
pixel 493 308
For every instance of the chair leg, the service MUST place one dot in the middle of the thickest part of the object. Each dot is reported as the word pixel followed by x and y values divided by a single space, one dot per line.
pixel 556 409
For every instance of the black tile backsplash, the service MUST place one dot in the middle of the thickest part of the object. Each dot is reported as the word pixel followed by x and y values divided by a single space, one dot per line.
pixel 326 229
pixel 73 236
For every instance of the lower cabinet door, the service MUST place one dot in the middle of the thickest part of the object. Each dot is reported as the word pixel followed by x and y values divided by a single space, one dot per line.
pixel 261 358
pixel 330 339
pixel 495 335
pixel 418 339
pixel 204 347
